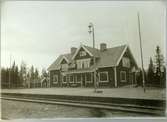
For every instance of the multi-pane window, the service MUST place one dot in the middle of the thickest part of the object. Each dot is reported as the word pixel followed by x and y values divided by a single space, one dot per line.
pixel 123 76
pixel 103 76
pixel 55 79
pixel 71 78
pixel 79 64
pixel 87 63
pixel 83 63
pixel 126 62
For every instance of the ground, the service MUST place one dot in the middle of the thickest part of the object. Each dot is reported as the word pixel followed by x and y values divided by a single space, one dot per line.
pixel 18 109
pixel 28 110
pixel 124 92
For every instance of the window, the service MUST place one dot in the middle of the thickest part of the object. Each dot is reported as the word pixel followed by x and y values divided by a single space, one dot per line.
pixel 103 76
pixel 71 79
pixel 55 79
pixel 125 62
pixel 84 63
pixel 64 67
pixel 123 76
pixel 87 63
pixel 82 53
pixel 88 77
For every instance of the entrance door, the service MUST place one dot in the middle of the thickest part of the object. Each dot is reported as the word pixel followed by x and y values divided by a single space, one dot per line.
pixel 83 76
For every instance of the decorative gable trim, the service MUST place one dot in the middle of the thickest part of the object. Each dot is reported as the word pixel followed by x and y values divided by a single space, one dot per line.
pixel 82 46
pixel 64 59
pixel 121 55
pixel 126 47
pixel 133 57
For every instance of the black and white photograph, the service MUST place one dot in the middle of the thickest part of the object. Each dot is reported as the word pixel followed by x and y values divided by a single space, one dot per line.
pixel 83 59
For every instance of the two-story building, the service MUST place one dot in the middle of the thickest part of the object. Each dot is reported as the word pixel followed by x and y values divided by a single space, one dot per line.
pixel 113 67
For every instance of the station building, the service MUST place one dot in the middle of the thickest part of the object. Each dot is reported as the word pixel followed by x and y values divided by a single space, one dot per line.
pixel 110 67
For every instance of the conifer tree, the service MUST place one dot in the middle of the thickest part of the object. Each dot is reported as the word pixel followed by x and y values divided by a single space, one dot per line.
pixel 159 66
pixel 150 73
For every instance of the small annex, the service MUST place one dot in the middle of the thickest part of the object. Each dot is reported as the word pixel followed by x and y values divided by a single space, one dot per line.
pixel 113 67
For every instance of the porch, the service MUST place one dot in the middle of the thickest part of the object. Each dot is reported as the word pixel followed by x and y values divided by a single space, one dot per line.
pixel 82 78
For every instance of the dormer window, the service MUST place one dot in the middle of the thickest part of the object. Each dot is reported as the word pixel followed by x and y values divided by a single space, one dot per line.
pixel 82 53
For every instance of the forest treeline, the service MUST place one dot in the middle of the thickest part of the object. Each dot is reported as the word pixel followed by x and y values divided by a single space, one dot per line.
pixel 28 77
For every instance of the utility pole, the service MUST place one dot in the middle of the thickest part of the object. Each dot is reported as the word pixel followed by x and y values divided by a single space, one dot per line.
pixel 141 53
pixel 10 73
pixel 91 30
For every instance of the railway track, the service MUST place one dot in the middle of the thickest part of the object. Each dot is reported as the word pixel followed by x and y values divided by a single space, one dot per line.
pixel 131 108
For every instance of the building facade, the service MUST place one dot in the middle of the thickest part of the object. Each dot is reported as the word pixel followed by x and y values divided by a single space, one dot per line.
pixel 84 66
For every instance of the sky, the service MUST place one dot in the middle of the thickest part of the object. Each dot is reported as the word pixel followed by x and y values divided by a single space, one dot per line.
pixel 37 32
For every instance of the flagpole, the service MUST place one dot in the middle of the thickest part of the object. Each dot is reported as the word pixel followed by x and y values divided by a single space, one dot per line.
pixel 10 73
pixel 91 30
pixel 141 52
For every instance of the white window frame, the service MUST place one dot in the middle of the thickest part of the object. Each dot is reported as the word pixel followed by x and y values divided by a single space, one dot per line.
pixel 79 64
pixel 89 81
pixel 121 76
pixel 100 78
pixel 72 78
pixel 83 63
pixel 55 76
pixel 87 63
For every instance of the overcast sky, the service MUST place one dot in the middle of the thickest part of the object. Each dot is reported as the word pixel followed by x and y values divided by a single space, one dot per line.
pixel 39 31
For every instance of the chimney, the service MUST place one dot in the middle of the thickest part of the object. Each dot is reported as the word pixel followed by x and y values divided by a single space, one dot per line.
pixel 103 46
pixel 73 49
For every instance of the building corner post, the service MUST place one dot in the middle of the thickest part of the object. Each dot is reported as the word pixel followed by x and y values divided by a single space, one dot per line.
pixel 115 77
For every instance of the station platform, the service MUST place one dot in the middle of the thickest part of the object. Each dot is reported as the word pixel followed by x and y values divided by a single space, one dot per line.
pixel 124 92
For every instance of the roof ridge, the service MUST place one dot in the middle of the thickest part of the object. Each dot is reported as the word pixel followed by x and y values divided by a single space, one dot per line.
pixel 91 47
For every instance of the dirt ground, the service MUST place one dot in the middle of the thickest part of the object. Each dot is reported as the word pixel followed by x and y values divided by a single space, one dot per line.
pixel 28 110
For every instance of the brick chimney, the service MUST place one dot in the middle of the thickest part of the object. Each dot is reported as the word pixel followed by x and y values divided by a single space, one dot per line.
pixel 103 46
pixel 73 49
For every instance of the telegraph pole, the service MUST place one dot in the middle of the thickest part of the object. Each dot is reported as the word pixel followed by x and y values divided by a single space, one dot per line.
pixel 10 73
pixel 141 52
pixel 91 30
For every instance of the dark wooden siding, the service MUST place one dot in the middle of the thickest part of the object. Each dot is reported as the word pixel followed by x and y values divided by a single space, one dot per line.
pixel 111 82
pixel 127 70
pixel 54 72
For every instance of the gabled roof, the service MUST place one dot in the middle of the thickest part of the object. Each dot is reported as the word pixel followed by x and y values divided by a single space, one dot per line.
pixel 108 58
pixel 56 64
pixel 68 56
pixel 111 56
pixel 65 58
pixel 94 51
pixel 91 51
